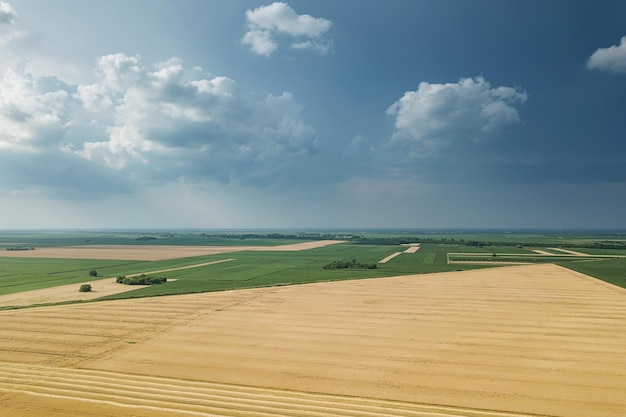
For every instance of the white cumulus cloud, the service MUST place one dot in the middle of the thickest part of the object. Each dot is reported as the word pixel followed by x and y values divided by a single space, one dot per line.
pixel 170 123
pixel 33 112
pixel 138 125
pixel 260 42
pixel 438 115
pixel 612 59
pixel 268 24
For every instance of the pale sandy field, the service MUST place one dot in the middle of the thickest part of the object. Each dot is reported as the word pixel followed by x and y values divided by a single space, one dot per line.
pixel 542 252
pixel 412 249
pixel 532 340
pixel 390 257
pixel 152 252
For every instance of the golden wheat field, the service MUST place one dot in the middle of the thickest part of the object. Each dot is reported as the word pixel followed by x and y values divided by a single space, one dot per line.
pixel 533 340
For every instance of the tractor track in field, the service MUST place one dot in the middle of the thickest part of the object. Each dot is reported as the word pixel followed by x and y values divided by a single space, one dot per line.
pixel 206 398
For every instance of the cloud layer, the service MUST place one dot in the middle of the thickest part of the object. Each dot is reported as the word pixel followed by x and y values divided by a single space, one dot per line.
pixel 436 116
pixel 612 59
pixel 268 24
pixel 157 124
pixel 8 32
pixel 7 13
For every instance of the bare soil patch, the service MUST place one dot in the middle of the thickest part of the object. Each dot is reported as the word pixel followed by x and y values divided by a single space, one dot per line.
pixel 412 249
pixel 507 342
pixel 390 257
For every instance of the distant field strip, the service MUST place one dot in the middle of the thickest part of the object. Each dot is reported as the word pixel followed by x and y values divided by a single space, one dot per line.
pixel 412 249
pixel 204 398
pixel 152 253
pixel 540 256
pixel 390 257
pixel 571 252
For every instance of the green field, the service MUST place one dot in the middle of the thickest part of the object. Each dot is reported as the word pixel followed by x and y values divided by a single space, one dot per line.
pixel 612 271
pixel 251 269
pixel 25 274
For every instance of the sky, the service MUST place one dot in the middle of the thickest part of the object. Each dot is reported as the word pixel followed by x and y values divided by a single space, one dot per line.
pixel 210 114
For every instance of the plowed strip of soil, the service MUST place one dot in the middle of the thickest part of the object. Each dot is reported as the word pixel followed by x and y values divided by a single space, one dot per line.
pixel 298 246
pixel 542 252
pixel 390 257
pixel 532 340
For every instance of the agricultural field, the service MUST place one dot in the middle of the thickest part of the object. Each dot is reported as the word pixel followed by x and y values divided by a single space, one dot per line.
pixel 231 334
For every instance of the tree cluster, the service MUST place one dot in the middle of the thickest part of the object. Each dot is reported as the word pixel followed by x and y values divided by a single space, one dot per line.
pixel 142 279
pixel 298 235
pixel 85 288
pixel 146 238
pixel 600 244
pixel 350 265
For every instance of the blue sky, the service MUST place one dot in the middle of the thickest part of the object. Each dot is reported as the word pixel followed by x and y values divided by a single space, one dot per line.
pixel 312 114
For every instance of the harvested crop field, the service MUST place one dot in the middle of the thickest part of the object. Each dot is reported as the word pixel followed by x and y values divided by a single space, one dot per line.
pixel 152 252
pixel 532 340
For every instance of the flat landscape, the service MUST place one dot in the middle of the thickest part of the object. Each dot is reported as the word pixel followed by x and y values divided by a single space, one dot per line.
pixel 511 341
pixel 488 340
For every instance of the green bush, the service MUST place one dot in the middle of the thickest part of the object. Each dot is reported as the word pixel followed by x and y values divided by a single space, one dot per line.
pixel 85 288
pixel 93 273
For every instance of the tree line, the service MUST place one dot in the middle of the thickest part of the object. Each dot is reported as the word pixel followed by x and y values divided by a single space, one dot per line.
pixel 600 244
